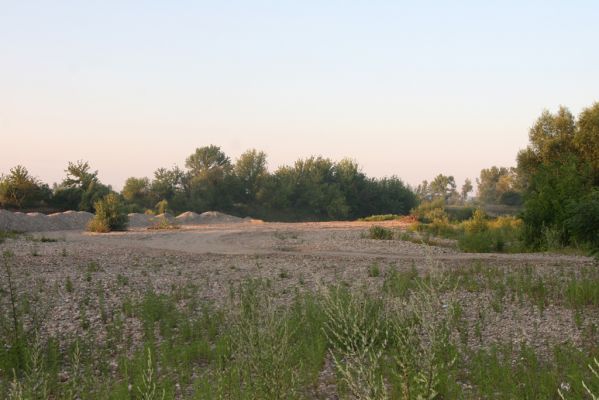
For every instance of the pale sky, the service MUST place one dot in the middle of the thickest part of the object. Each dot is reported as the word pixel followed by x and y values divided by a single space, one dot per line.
pixel 406 88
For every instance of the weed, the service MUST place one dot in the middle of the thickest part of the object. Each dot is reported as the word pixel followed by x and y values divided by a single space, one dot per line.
pixel 69 285
pixel 380 233
pixel 374 271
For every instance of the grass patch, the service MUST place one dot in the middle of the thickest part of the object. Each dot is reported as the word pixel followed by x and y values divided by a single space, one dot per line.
pixel 381 217
pixel 380 233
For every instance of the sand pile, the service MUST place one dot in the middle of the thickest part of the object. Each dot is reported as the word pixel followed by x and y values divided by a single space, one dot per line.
pixel 36 222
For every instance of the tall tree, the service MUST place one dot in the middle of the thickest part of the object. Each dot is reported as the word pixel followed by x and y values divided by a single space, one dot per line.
pixel 466 189
pixel 250 171
pixel 443 187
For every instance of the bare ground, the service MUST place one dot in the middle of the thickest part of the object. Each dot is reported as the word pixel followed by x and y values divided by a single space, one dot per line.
pixel 299 256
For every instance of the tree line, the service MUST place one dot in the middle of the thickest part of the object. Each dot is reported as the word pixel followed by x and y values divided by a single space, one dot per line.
pixel 314 188
pixel 555 183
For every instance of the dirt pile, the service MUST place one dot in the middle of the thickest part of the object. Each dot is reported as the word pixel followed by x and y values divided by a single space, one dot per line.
pixel 36 222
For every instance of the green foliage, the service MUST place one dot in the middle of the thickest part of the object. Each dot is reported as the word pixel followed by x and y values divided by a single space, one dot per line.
pixel 583 219
pixel 110 215
pixel 20 190
pixel 561 175
pixel 380 233
pixel 161 207
pixel 499 186
pixel 459 213
pixel 81 188
pixel 137 191
pixel 379 218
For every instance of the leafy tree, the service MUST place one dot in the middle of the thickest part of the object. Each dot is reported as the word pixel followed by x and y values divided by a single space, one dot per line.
pixel 551 139
pixel 466 188
pixel 208 162
pixel 250 172
pixel 559 168
pixel 498 185
pixel 586 139
pixel 81 186
pixel 137 191
pixel 167 183
pixel 19 189
pixel 443 187
pixel 210 181
pixel 423 191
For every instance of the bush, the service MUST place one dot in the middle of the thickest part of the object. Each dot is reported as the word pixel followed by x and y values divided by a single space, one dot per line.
pixel 430 210
pixel 458 213
pixel 487 241
pixel 161 207
pixel 380 233
pixel 382 217
pixel 110 215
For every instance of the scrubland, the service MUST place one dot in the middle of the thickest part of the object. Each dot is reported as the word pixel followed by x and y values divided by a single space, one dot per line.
pixel 284 311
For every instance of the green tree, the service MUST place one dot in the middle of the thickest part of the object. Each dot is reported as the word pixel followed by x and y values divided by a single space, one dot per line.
pixel 167 183
pixel 559 169
pixel 137 191
pixel 496 185
pixel 586 139
pixel 443 187
pixel 550 139
pixel 466 189
pixel 19 189
pixel 81 188
pixel 251 172
pixel 210 182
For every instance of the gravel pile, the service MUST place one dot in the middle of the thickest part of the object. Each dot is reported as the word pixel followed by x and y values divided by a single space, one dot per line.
pixel 37 222
pixel 78 220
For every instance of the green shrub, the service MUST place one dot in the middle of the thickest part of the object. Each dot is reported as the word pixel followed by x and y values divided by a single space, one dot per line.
pixel 161 207
pixel 110 215
pixel 429 210
pixel 380 233
pixel 382 217
pixel 487 241
pixel 458 213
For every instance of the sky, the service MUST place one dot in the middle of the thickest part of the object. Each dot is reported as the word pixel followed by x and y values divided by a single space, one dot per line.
pixel 411 89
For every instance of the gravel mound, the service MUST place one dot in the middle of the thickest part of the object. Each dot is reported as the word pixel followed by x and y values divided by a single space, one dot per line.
pixel 37 222
pixel 78 220
pixel 208 217
pixel 137 220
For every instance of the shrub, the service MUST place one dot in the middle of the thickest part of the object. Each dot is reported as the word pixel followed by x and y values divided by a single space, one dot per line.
pixel 430 210
pixel 161 207
pixel 459 214
pixel 486 241
pixel 380 233
pixel 110 215
pixel 381 217
pixel 477 223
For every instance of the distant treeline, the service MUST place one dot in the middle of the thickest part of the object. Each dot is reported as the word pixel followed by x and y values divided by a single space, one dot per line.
pixel 555 184
pixel 315 188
